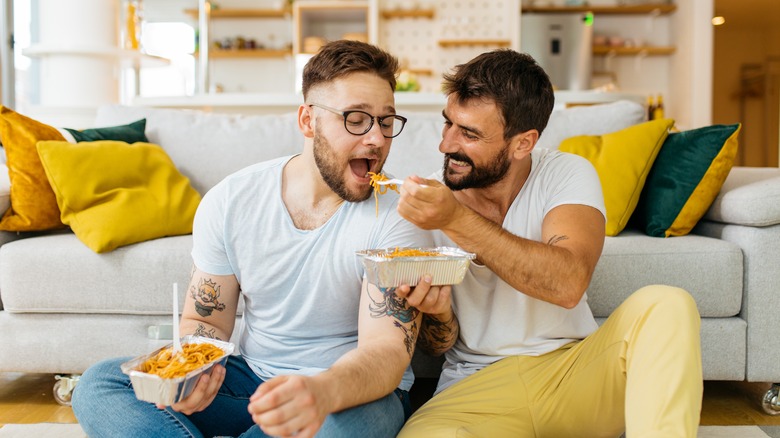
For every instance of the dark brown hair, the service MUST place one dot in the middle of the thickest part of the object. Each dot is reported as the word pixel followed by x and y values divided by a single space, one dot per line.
pixel 340 58
pixel 519 87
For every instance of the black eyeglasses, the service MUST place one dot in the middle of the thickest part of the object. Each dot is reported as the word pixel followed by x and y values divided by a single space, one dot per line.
pixel 360 122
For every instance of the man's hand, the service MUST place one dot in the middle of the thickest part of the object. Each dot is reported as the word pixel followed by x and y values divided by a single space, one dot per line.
pixel 428 203
pixel 433 300
pixel 203 394
pixel 288 406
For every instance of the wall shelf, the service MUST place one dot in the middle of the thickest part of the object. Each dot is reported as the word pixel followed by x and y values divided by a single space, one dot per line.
pixel 456 43
pixel 630 51
pixel 419 71
pixel 244 13
pixel 649 8
pixel 408 13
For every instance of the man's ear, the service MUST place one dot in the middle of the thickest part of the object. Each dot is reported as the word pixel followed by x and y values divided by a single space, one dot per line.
pixel 306 120
pixel 524 142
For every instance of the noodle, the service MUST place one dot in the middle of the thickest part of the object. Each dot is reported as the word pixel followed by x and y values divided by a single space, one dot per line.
pixel 168 364
pixel 382 189
pixel 411 252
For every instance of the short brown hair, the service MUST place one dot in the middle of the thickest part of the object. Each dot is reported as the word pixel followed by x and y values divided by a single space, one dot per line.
pixel 340 58
pixel 519 87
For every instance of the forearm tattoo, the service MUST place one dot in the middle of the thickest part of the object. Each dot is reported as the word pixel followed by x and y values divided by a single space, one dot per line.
pixel 389 304
pixel 206 296
pixel 211 333
pixel 555 239
pixel 436 335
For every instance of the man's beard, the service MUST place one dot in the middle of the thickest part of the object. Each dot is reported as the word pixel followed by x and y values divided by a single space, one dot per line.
pixel 332 172
pixel 478 177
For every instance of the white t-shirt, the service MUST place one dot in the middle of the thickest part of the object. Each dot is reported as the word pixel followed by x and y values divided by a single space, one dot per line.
pixel 301 288
pixel 496 320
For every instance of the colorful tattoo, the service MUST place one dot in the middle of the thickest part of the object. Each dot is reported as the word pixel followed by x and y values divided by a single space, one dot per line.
pixel 206 297
pixel 201 331
pixel 391 305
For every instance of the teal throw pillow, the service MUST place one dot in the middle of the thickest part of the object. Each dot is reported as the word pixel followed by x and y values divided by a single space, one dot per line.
pixel 685 179
pixel 131 133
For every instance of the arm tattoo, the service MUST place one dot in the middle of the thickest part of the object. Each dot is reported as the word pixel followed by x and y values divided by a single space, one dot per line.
pixel 409 334
pixel 391 305
pixel 201 331
pixel 555 239
pixel 206 296
pixel 436 334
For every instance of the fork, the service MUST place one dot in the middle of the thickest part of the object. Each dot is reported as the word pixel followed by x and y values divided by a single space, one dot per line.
pixel 389 181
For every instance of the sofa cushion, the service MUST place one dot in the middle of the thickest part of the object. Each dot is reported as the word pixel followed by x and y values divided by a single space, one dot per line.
pixel 112 193
pixel 57 273
pixel 206 147
pixel 634 259
pixel 5 188
pixel 750 196
pixel 623 160
pixel 590 120
pixel 416 150
pixel 686 177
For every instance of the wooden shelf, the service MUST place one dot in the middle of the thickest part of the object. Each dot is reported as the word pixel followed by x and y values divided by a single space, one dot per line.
pixel 408 13
pixel 244 13
pixel 629 51
pixel 249 53
pixel 419 71
pixel 455 43
pixel 649 8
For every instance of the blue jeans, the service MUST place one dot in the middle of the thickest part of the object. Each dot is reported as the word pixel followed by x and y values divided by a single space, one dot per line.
pixel 105 405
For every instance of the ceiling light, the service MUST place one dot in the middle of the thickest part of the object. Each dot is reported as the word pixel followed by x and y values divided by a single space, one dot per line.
pixel 717 21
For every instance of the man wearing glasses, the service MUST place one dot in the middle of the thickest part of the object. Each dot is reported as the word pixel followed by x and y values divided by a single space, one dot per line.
pixel 321 350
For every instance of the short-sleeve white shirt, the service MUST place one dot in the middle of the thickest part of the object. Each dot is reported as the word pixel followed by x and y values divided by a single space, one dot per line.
pixel 496 320
pixel 301 288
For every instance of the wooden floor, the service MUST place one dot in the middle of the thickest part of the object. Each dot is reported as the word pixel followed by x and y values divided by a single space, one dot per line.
pixel 27 398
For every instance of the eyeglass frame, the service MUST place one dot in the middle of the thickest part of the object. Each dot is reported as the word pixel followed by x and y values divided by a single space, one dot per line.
pixel 373 118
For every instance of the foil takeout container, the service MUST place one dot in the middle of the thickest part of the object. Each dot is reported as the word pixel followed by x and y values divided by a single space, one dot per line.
pixel 155 389
pixel 448 268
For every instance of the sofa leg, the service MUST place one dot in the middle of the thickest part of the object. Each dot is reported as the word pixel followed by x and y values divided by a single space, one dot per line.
pixel 63 388
pixel 771 403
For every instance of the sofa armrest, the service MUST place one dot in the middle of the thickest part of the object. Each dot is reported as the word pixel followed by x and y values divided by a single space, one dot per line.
pixel 750 196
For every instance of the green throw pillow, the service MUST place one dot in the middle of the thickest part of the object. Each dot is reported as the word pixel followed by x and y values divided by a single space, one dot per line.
pixel 132 133
pixel 685 179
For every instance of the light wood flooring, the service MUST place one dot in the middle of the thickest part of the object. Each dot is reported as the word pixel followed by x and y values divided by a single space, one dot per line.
pixel 27 398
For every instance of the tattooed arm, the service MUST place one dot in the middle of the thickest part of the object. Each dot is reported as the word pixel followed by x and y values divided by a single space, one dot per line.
pixel 210 305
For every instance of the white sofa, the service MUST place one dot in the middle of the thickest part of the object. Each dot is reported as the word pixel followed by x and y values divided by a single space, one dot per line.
pixel 63 307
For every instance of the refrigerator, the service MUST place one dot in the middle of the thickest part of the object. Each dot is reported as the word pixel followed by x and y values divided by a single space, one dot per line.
pixel 562 45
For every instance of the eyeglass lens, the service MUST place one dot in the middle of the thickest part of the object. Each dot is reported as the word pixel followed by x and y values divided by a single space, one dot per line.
pixel 358 123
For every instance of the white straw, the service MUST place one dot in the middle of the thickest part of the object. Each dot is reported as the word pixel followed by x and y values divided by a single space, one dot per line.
pixel 176 340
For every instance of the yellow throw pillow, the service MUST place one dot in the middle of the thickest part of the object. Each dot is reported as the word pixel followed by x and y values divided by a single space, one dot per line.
pixel 33 205
pixel 622 159
pixel 112 193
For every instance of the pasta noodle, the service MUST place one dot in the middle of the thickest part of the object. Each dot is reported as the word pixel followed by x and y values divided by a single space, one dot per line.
pixel 381 189
pixel 411 252
pixel 168 364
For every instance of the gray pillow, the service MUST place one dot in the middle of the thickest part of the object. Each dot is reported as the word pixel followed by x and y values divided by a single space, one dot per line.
pixel 590 120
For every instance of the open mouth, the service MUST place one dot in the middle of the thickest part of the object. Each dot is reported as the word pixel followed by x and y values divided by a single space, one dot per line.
pixel 457 165
pixel 360 168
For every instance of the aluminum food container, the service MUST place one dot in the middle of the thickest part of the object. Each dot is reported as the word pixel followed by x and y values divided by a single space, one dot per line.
pixel 448 268
pixel 155 389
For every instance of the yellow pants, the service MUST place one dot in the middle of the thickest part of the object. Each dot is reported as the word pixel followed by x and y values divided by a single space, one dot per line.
pixel 640 372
